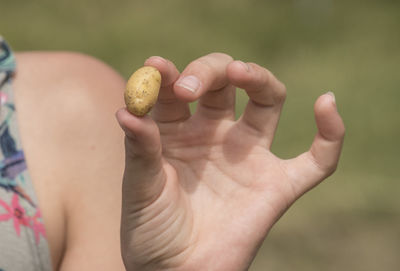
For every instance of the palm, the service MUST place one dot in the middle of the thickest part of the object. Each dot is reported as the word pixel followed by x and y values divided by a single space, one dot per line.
pixel 198 188
pixel 211 157
pixel 210 191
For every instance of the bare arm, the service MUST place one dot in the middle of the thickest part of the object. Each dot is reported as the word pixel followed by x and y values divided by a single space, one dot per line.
pixel 66 105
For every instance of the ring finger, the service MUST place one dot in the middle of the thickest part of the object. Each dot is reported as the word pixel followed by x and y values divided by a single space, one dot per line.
pixel 266 94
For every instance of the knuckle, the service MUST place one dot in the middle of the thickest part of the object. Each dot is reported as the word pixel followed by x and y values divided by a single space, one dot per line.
pixel 326 169
pixel 330 169
pixel 343 133
pixel 281 92
pixel 221 55
pixel 278 89
pixel 203 64
pixel 211 59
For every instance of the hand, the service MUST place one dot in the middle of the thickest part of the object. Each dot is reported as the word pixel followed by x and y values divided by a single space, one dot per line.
pixel 201 192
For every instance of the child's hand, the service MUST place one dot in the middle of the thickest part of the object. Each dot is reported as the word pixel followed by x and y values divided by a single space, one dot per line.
pixel 201 192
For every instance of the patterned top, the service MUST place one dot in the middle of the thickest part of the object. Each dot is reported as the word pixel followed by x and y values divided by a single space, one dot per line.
pixel 23 244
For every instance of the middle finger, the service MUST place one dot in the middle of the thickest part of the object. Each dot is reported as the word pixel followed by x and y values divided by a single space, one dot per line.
pixel 205 79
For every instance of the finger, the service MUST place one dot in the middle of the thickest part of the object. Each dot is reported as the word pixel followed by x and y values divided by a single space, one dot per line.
pixel 205 79
pixel 143 177
pixel 218 104
pixel 266 94
pixel 311 167
pixel 168 108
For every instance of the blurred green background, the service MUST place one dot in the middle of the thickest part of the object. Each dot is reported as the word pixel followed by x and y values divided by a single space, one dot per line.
pixel 352 220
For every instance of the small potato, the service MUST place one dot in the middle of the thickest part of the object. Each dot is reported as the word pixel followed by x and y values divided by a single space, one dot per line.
pixel 142 90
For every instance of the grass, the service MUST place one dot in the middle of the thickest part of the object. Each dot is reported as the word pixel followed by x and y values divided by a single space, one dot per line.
pixel 350 222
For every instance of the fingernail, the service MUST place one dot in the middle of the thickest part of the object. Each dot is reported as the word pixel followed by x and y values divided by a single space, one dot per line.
pixel 332 95
pixel 244 65
pixel 157 58
pixel 190 83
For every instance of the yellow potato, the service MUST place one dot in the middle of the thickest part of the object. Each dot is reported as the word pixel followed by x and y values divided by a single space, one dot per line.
pixel 142 90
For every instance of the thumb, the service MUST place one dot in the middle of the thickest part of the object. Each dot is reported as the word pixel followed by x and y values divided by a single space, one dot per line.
pixel 144 177
pixel 311 167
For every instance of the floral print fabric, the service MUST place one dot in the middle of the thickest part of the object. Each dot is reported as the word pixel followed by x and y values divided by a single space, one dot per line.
pixel 23 244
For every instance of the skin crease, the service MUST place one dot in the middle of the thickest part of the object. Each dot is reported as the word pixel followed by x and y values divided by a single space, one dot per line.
pixel 201 192
pixel 198 193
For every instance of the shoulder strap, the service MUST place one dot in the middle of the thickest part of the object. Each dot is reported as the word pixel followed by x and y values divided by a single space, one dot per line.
pixel 7 61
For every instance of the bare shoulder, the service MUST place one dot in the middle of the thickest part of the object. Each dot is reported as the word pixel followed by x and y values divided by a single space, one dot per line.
pixel 67 71
pixel 74 150
pixel 63 79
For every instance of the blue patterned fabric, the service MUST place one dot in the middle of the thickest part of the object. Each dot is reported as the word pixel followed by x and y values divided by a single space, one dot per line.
pixel 23 244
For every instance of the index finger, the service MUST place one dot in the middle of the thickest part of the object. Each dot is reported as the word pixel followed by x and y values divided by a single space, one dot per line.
pixel 201 75
pixel 168 108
